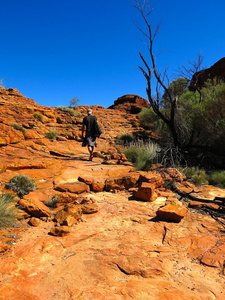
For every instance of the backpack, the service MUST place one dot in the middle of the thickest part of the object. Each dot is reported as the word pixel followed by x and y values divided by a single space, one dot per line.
pixel 97 129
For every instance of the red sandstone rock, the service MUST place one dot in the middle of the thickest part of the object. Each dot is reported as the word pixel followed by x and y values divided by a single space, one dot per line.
pixel 215 257
pixel 34 207
pixel 146 192
pixel 37 196
pixel 89 208
pixel 60 231
pixel 152 177
pixel 98 185
pixel 34 222
pixel 130 103
pixel 122 182
pixel 171 213
pixel 76 187
pixel 198 204
pixel 69 215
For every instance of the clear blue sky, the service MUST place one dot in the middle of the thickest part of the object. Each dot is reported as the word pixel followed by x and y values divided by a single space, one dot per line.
pixel 53 50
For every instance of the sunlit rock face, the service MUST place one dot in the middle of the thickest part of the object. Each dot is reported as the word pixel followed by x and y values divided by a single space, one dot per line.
pixel 130 103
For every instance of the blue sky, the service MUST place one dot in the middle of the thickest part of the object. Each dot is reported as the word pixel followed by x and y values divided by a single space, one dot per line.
pixel 52 50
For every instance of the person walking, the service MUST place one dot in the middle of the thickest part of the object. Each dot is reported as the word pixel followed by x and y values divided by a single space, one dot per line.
pixel 89 128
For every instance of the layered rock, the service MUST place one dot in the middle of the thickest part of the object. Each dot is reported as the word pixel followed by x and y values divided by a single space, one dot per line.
pixel 130 103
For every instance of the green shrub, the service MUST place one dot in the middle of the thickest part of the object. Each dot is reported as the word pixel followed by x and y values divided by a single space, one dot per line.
pixel 52 135
pixel 142 155
pixel 196 175
pixel 70 126
pixel 18 127
pixel 53 201
pixel 218 178
pixel 124 139
pixel 8 212
pixel 22 184
pixel 70 111
pixel 38 116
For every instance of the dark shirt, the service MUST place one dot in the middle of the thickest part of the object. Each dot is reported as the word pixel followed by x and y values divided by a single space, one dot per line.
pixel 88 121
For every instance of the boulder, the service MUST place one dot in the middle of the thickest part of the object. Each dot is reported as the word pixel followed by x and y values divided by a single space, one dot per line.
pixel 60 231
pixel 34 222
pixel 76 187
pixel 122 182
pixel 98 185
pixel 151 177
pixel 89 208
pixel 171 213
pixel 146 192
pixel 69 215
pixel 34 207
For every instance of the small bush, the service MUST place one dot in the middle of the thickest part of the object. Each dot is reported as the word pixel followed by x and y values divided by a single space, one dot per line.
pixel 70 111
pixel 53 201
pixel 18 127
pixel 8 212
pixel 52 135
pixel 124 139
pixel 142 155
pixel 196 175
pixel 218 178
pixel 38 116
pixel 22 184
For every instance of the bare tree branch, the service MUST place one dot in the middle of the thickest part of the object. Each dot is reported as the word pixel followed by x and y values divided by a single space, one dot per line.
pixel 145 12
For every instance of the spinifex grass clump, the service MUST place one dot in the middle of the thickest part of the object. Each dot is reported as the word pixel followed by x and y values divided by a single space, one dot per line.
pixel 124 139
pixel 52 134
pixel 141 154
pixel 18 127
pixel 8 212
pixel 196 175
pixel 22 184
pixel 38 116
pixel 218 178
pixel 70 111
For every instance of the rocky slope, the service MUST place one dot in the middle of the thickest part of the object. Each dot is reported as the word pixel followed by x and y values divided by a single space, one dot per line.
pixel 115 233
pixel 215 71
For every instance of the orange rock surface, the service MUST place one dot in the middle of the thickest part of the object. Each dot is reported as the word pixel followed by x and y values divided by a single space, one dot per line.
pixel 105 243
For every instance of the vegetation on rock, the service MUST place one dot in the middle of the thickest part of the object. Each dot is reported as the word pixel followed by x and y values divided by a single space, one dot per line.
pixel 8 211
pixel 193 122
pixel 22 185
pixel 38 116
pixel 18 127
pixel 52 134
pixel 141 154
pixel 70 111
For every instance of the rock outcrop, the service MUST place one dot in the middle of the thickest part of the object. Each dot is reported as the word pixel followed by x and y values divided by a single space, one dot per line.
pixel 130 103
pixel 216 71
pixel 97 230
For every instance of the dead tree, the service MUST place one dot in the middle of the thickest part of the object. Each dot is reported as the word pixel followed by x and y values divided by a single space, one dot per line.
pixel 150 69
pixel 193 68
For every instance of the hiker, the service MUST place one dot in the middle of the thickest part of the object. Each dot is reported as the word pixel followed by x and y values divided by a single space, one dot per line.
pixel 92 131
